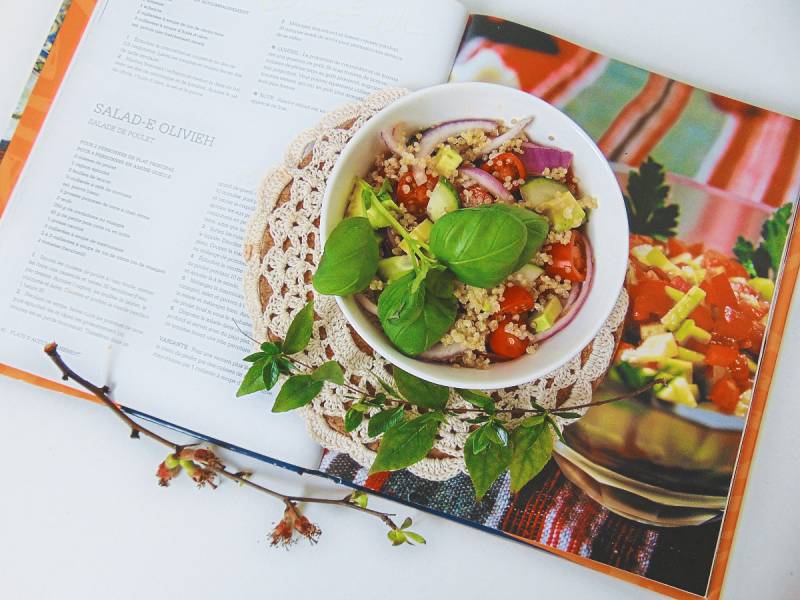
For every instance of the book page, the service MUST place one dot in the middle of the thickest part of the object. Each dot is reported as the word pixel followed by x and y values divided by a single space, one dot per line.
pixel 122 239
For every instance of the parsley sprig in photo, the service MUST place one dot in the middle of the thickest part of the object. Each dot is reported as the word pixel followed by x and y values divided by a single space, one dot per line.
pixel 767 255
pixel 645 202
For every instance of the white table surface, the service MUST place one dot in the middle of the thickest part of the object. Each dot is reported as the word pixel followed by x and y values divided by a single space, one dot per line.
pixel 81 516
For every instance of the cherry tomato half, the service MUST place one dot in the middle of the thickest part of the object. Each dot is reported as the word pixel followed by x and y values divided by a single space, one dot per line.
pixel 568 259
pixel 412 196
pixel 476 196
pixel 506 344
pixel 516 300
pixel 506 165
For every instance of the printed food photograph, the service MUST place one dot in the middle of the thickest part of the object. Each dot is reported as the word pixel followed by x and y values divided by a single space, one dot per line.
pixel 473 279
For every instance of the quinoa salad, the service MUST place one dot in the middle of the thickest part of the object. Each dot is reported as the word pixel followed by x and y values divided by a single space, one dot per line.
pixel 465 242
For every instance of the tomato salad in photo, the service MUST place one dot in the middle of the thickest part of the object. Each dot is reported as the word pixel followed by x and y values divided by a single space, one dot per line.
pixel 697 322
pixel 465 242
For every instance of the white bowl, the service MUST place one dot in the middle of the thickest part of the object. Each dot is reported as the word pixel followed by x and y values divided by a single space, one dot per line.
pixel 607 229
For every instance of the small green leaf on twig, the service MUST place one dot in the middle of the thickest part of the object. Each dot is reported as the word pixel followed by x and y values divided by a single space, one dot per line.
pixel 531 447
pixel 384 420
pixel 478 399
pixel 420 392
pixel 329 371
pixel 253 380
pixel 407 443
pixel 297 391
pixel 359 499
pixel 352 419
pixel 299 333
pixel 487 465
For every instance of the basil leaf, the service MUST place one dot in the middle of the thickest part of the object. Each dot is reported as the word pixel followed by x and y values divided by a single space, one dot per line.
pixel 253 380
pixel 538 227
pixel 415 321
pixel 531 448
pixel 477 399
pixel 272 373
pixel 329 371
pixel 384 420
pixel 486 466
pixel 352 419
pixel 479 245
pixel 350 259
pixel 297 391
pixel 420 392
pixel 299 333
pixel 407 443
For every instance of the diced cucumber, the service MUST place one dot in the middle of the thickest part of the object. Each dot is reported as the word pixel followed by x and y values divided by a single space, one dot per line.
pixel 394 267
pixel 529 273
pixel 546 318
pixel 690 355
pixel 446 161
pixel 674 294
pixel 421 233
pixel 444 199
pixel 540 190
pixel 683 308
pixel 657 258
pixel 689 329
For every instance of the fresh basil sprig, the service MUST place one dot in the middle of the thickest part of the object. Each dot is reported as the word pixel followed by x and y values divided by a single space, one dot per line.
pixel 416 319
pixel 480 245
pixel 350 259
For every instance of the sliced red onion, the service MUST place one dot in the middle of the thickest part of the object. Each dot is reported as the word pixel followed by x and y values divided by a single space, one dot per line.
pixel 489 182
pixel 569 313
pixel 573 295
pixel 367 304
pixel 537 158
pixel 389 137
pixel 439 134
pixel 443 353
pixel 513 131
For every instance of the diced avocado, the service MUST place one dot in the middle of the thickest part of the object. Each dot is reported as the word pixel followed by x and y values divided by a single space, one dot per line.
pixel 651 329
pixel 678 391
pixel 546 318
pixel 676 367
pixel 689 329
pixel 657 258
pixel 683 308
pixel 674 294
pixel 538 190
pixel 444 199
pixel 529 273
pixel 446 161
pixel 563 211
pixel 690 355
pixel 394 267
pixel 656 347
pixel 421 233
pixel 765 287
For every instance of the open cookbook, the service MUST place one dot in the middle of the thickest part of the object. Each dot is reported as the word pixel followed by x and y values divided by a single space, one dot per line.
pixel 131 169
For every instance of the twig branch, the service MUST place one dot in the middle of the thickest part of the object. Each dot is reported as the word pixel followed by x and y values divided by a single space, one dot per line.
pixel 289 501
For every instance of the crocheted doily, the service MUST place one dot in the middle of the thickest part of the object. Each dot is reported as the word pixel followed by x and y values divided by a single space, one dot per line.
pixel 281 251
